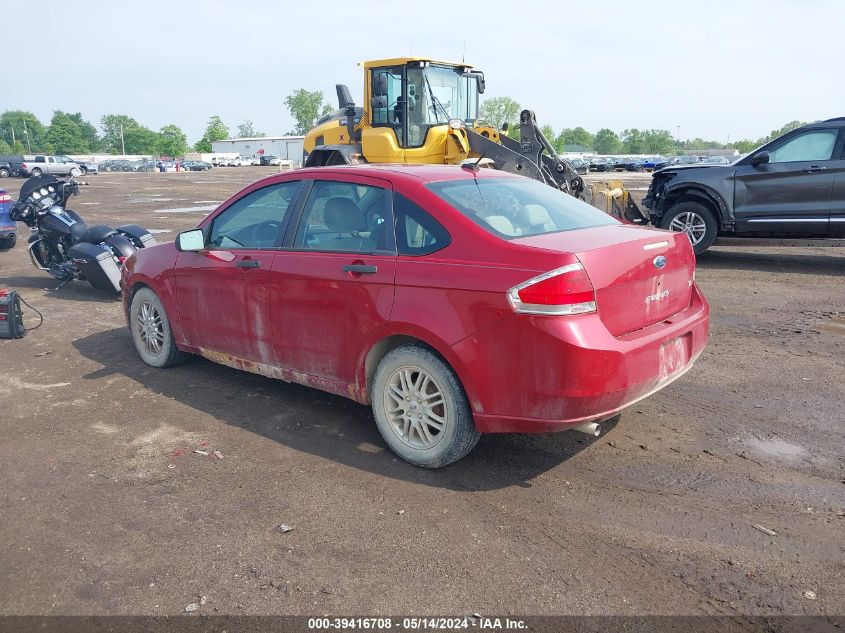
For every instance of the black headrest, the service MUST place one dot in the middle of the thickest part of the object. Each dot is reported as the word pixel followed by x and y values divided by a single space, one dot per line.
pixel 343 216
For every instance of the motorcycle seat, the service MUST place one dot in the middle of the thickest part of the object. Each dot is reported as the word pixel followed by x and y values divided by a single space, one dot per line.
pixel 92 234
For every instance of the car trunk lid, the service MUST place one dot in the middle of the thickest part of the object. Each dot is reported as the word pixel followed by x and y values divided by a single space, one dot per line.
pixel 640 276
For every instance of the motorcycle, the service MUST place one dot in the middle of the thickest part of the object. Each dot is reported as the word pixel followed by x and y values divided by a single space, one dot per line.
pixel 67 248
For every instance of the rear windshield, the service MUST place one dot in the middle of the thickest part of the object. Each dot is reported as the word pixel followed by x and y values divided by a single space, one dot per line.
pixel 516 207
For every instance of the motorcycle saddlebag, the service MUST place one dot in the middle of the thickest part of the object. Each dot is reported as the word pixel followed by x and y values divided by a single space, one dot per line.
pixel 141 236
pixel 97 265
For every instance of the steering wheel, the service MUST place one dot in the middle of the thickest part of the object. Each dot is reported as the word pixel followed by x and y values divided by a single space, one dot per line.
pixel 258 233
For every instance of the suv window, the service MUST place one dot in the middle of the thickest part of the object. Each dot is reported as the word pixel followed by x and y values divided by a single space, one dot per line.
pixel 807 146
pixel 417 233
pixel 255 220
pixel 516 207
pixel 345 217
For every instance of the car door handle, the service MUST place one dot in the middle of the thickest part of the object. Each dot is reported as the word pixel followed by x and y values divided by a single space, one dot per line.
pixel 248 263
pixel 814 169
pixel 361 269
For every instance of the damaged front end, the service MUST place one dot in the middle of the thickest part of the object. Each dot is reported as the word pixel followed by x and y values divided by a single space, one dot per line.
pixel 655 198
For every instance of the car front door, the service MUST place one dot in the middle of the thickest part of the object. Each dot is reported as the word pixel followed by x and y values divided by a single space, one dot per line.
pixel 837 198
pixel 333 285
pixel 791 193
pixel 223 290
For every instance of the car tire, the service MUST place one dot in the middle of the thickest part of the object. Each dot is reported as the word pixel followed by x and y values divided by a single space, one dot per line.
pixel 75 173
pixel 35 173
pixel 151 331
pixel 4 173
pixel 84 170
pixel 443 430
pixel 694 219
pixel 8 242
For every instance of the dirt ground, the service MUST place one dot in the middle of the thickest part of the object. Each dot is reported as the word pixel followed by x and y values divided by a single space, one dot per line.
pixel 106 509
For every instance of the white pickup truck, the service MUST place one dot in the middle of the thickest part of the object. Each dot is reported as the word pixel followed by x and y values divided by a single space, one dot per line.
pixel 53 165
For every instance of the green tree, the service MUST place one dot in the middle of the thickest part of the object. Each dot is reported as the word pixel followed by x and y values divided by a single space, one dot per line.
pixel 305 107
pixel 659 141
pixel 247 130
pixel 65 135
pixel 500 110
pixel 216 130
pixel 792 125
pixel 633 141
pixel 573 136
pixel 115 127
pixel 86 130
pixel 606 142
pixel 172 141
pixel 29 131
pixel 549 132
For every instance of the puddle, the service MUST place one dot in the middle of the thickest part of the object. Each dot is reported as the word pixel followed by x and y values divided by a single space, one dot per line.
pixel 776 448
pixel 186 209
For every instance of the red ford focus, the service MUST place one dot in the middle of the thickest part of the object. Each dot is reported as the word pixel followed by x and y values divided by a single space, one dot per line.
pixel 456 302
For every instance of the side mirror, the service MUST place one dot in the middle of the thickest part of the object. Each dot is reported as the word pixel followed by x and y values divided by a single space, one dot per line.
pixel 761 158
pixel 190 241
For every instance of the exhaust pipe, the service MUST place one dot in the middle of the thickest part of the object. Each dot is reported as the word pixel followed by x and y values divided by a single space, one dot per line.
pixel 590 428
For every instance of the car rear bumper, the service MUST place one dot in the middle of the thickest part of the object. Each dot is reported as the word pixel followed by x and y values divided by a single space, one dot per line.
pixel 536 374
pixel 7 230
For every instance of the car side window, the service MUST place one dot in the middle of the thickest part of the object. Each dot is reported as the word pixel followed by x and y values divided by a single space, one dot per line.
pixel 417 233
pixel 808 146
pixel 345 217
pixel 254 221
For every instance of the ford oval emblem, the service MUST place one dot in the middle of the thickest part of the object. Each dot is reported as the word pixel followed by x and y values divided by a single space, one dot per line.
pixel 659 262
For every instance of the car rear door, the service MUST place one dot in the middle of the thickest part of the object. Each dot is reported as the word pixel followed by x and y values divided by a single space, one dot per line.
pixel 792 192
pixel 333 284
pixel 223 291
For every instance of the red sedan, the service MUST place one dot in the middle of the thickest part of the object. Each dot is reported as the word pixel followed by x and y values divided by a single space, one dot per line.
pixel 456 302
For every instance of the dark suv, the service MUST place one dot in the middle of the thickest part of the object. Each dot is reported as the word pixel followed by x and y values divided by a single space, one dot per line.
pixel 793 186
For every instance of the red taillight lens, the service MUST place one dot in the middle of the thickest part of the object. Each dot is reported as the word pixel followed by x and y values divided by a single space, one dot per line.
pixel 5 197
pixel 566 290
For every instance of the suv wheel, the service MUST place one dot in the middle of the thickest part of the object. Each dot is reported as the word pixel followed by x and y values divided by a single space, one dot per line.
pixel 4 173
pixel 35 173
pixel 421 409
pixel 694 219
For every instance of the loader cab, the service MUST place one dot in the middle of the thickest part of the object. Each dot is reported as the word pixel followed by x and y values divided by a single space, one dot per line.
pixel 411 102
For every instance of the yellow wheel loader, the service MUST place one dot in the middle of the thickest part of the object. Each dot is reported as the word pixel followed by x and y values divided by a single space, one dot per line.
pixel 419 110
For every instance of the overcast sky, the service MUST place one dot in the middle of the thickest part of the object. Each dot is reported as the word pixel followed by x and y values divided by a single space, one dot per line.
pixel 719 69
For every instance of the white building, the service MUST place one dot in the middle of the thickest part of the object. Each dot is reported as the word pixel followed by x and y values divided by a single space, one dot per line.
pixel 284 147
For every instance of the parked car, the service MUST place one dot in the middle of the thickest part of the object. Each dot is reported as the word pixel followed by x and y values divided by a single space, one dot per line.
pixel 650 164
pixel 219 161
pixel 620 162
pixel 580 165
pixel 793 186
pixel 454 301
pixel 8 228
pixel 89 167
pixel 10 165
pixel 715 160
pixel 269 159
pixel 196 165
pixel 600 164
pixel 676 160
pixel 53 165
pixel 635 164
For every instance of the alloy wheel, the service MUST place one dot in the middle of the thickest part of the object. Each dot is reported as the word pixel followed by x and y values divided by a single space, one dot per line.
pixel 150 328
pixel 690 223
pixel 415 407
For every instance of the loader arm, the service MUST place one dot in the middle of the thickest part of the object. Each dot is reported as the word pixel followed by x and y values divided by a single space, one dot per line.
pixel 532 156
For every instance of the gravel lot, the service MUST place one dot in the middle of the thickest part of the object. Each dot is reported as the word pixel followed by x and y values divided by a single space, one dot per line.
pixel 106 509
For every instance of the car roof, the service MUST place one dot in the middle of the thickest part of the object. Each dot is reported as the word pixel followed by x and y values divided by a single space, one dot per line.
pixel 425 173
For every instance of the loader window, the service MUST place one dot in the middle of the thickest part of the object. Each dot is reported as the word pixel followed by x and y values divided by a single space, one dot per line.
pixel 386 102
pixel 437 94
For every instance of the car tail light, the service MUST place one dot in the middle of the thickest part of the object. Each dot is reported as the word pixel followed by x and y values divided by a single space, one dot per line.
pixel 5 197
pixel 566 290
